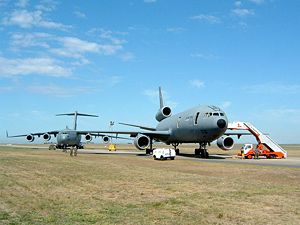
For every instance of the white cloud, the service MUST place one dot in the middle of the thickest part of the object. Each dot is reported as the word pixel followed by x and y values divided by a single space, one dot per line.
pixel 59 91
pixel 75 48
pixel 127 56
pixel 197 83
pixel 26 19
pixel 175 29
pixel 207 18
pixel 22 3
pixel 30 40
pixel 35 66
pixel 47 5
pixel 238 3
pixel 150 1
pixel 240 12
pixel 204 56
pixel 258 2
pixel 272 88
pixel 110 35
pixel 80 14
pixel 6 89
pixel 226 104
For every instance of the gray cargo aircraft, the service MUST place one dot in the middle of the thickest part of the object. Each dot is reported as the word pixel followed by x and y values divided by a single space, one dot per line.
pixel 67 137
pixel 201 124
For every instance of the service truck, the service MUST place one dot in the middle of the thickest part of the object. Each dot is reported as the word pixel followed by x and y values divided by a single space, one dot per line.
pixel 164 153
pixel 249 152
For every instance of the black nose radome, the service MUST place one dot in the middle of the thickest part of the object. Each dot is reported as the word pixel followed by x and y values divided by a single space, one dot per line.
pixel 221 123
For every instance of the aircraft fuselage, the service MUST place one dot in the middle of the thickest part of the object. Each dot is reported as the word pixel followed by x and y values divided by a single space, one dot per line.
pixel 202 124
pixel 68 138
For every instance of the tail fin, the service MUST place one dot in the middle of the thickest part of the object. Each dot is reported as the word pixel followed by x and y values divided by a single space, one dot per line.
pixel 161 100
pixel 164 111
pixel 75 118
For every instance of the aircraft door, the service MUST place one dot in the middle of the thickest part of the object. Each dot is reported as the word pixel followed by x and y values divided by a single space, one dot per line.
pixel 178 122
pixel 196 122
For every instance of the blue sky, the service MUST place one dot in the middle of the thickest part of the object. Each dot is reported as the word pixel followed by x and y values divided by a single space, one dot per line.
pixel 108 57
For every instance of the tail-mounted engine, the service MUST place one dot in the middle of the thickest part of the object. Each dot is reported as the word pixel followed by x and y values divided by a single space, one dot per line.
pixel 105 139
pixel 46 137
pixel 30 138
pixel 141 142
pixel 88 137
pixel 225 143
pixel 163 113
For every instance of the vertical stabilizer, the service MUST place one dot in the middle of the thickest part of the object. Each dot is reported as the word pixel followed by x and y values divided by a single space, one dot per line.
pixel 75 114
pixel 161 100
pixel 164 111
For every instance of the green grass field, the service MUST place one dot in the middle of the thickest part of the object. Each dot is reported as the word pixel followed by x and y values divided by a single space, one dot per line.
pixel 49 187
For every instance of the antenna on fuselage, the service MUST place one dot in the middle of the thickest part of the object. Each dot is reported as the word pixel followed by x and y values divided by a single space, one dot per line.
pixel 75 114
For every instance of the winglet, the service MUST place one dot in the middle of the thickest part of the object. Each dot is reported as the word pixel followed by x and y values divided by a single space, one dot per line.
pixel 6 134
pixel 161 101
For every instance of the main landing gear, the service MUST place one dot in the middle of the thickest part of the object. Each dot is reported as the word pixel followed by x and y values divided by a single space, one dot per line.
pixel 202 151
pixel 175 145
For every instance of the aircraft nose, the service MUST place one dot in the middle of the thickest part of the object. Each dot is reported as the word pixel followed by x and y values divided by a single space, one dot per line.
pixel 221 123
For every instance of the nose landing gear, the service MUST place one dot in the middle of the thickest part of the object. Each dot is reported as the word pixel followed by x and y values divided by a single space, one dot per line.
pixel 202 151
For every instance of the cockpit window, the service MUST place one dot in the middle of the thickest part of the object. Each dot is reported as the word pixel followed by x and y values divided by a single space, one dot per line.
pixel 221 114
pixel 216 114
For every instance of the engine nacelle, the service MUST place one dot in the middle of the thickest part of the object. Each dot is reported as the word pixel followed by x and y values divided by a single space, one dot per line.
pixel 46 137
pixel 105 139
pixel 30 138
pixel 225 143
pixel 141 142
pixel 163 113
pixel 88 137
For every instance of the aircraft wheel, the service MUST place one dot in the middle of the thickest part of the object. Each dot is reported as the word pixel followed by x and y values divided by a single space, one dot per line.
pixel 206 155
pixel 154 157
pixel 161 157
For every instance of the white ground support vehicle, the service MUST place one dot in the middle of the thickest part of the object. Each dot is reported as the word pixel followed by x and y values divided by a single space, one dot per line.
pixel 164 153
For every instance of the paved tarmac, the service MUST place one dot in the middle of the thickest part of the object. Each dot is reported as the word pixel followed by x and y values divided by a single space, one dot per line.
pixel 291 162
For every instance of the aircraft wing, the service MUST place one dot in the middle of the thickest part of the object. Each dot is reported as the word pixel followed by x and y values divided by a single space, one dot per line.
pixel 101 134
pixel 34 134
pixel 152 134
pixel 139 126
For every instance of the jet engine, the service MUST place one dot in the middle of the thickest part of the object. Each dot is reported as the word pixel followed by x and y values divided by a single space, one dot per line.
pixel 46 137
pixel 141 142
pixel 225 143
pixel 30 138
pixel 163 113
pixel 105 139
pixel 88 137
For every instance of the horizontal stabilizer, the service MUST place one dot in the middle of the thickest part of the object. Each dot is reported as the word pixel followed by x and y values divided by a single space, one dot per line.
pixel 74 114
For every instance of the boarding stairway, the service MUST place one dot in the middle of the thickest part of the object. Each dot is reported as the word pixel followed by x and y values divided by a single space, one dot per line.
pixel 261 138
